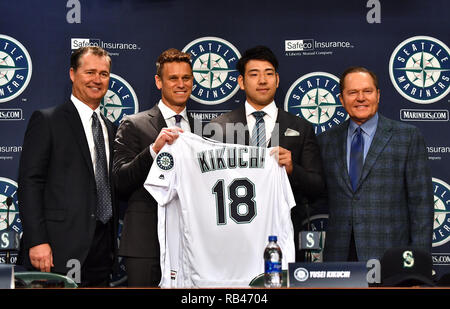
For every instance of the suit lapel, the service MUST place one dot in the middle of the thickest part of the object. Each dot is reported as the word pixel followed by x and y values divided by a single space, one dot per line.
pixel 74 121
pixel 341 153
pixel 379 142
pixel 238 116
pixel 156 118
pixel 277 139
pixel 111 136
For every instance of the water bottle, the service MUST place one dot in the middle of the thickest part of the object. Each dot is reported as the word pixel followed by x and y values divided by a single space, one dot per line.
pixel 272 264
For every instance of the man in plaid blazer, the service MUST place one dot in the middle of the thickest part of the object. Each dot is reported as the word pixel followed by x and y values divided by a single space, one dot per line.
pixel 390 201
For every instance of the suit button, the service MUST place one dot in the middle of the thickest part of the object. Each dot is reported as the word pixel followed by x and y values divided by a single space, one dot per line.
pixel 92 216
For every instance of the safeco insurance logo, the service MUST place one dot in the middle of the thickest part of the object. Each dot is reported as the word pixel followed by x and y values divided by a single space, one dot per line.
pixel 420 69
pixel 214 67
pixel 15 68
pixel 76 43
pixel 313 47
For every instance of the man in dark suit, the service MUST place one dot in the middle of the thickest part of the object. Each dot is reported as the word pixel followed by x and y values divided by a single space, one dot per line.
pixel 66 193
pixel 378 181
pixel 139 138
pixel 293 137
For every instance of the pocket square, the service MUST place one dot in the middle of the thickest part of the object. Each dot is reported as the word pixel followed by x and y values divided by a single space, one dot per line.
pixel 290 132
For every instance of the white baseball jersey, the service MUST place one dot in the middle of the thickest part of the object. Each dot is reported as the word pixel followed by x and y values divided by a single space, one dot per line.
pixel 218 203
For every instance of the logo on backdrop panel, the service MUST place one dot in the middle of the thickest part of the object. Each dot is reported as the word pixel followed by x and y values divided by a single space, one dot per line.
pixel 120 100
pixel 8 188
pixel 214 67
pixel 315 97
pixel 420 69
pixel 441 226
pixel 15 68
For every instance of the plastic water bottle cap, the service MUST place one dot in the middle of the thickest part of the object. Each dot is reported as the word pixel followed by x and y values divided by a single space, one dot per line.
pixel 272 238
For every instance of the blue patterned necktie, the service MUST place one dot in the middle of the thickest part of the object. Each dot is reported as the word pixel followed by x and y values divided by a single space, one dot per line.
pixel 356 158
pixel 104 204
pixel 259 130
pixel 178 120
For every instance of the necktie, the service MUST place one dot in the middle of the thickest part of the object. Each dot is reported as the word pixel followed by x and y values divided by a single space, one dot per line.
pixel 356 157
pixel 104 204
pixel 259 131
pixel 178 120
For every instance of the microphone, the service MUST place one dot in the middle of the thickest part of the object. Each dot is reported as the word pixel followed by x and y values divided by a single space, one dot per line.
pixel 308 240
pixel 9 239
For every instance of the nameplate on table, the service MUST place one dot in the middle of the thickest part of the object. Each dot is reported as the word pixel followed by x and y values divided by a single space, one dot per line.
pixel 327 274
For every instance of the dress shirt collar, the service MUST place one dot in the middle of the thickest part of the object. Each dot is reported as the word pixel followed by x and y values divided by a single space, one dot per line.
pixel 168 113
pixel 369 127
pixel 271 110
pixel 84 111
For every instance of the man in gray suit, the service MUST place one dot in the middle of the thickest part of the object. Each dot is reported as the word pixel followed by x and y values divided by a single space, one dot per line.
pixel 139 138
pixel 378 180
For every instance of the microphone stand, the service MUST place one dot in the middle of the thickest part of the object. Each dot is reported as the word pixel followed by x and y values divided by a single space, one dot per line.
pixel 308 255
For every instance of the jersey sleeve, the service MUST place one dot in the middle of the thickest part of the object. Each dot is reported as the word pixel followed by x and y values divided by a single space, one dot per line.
pixel 161 181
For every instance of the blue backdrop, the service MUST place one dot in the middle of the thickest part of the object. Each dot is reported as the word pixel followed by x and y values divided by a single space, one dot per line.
pixel 404 42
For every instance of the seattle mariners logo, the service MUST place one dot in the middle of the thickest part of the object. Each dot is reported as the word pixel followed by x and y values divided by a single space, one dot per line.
pixel 317 223
pixel 8 188
pixel 441 232
pixel 315 97
pixel 301 274
pixel 15 68
pixel 419 69
pixel 214 67
pixel 119 100
pixel 165 161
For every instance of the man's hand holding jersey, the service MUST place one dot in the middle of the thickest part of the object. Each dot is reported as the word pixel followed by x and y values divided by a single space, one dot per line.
pixel 167 135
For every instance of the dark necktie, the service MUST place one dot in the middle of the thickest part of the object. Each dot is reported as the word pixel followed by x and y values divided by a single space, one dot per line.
pixel 356 158
pixel 104 204
pixel 259 131
pixel 178 120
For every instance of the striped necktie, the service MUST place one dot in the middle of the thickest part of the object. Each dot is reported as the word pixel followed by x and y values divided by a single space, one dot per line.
pixel 259 131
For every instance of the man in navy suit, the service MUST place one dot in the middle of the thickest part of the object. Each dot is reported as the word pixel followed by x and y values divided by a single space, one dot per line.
pixel 378 180
pixel 293 137
pixel 65 191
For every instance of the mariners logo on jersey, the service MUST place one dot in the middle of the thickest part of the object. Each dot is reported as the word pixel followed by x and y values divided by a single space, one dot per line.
pixel 8 188
pixel 441 228
pixel 120 100
pixel 165 161
pixel 420 69
pixel 15 68
pixel 214 67
pixel 315 97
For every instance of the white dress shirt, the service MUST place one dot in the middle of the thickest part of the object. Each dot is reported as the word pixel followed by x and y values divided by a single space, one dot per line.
pixel 85 113
pixel 270 118
pixel 169 117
